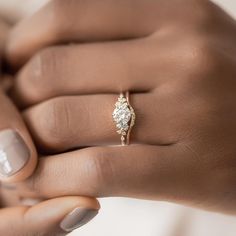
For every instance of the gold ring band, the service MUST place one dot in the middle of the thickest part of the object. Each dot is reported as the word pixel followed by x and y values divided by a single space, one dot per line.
pixel 124 117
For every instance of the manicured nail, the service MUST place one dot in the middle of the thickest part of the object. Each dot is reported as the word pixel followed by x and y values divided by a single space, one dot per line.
pixel 77 218
pixel 14 153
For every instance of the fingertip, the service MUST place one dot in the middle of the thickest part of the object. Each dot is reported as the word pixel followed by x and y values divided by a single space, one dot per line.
pixel 18 156
pixel 77 218
pixel 64 213
pixel 82 213
pixel 52 217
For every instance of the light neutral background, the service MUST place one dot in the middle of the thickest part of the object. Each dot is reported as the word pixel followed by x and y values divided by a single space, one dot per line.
pixel 127 217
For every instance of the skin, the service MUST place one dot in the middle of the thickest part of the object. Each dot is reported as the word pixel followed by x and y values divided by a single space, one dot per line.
pixel 16 217
pixel 178 60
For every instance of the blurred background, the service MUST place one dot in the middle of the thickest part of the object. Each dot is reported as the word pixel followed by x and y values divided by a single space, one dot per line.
pixel 123 217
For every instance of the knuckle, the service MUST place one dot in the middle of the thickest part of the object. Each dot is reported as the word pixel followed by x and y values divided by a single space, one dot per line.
pixel 45 63
pixel 205 14
pixel 26 90
pixel 99 171
pixel 208 13
pixel 54 124
pixel 61 11
pixel 59 7
pixel 56 11
pixel 39 75
pixel 201 58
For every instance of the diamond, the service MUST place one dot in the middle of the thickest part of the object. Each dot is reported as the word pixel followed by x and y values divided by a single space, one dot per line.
pixel 122 114
pixel 124 117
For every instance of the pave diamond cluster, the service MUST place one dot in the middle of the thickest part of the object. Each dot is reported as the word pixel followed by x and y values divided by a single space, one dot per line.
pixel 124 117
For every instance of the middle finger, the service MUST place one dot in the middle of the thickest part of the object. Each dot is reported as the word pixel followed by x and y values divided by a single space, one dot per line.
pixel 91 69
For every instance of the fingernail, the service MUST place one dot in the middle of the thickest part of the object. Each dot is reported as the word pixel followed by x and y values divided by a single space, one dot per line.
pixel 77 218
pixel 14 153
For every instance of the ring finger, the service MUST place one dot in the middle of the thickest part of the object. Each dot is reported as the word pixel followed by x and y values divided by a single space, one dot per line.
pixel 68 122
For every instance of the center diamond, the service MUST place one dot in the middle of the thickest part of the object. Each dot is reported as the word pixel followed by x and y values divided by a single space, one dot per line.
pixel 122 115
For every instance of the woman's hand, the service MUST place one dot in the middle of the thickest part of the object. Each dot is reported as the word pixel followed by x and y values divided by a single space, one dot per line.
pixel 178 60
pixel 18 160
pixel 52 217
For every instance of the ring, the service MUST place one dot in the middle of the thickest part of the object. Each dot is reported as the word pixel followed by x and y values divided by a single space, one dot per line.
pixel 124 117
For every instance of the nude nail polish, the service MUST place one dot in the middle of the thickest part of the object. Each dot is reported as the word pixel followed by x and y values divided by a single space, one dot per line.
pixel 77 218
pixel 14 154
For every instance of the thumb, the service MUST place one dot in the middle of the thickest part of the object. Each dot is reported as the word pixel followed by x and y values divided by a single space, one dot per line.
pixel 17 152
pixel 52 217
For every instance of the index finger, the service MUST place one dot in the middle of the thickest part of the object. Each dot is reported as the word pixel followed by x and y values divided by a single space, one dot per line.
pixel 62 21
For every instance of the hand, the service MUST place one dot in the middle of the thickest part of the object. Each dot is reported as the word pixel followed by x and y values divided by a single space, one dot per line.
pixel 178 59
pixel 18 160
pixel 52 217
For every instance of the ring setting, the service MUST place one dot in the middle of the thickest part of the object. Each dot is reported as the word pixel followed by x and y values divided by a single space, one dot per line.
pixel 124 117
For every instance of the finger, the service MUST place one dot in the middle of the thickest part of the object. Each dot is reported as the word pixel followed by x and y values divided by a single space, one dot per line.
pixel 17 152
pixel 139 171
pixel 97 68
pixel 95 21
pixel 69 122
pixel 52 217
